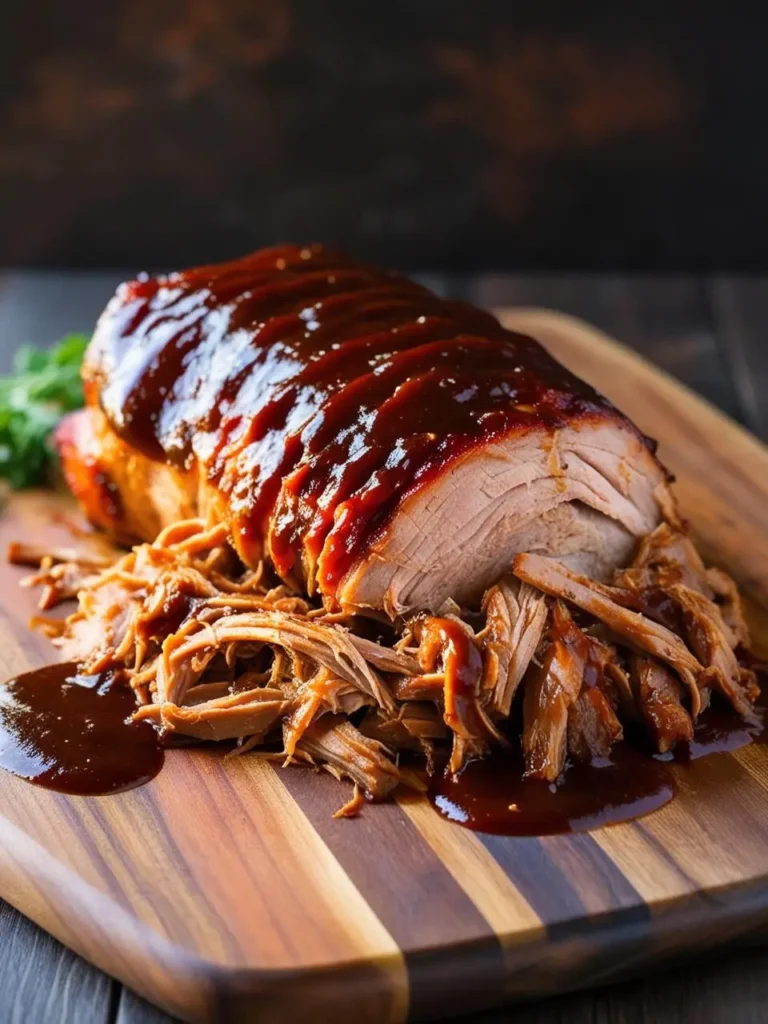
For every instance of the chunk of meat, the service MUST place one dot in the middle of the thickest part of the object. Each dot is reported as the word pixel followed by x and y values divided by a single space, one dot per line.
pixel 415 723
pixel 515 617
pixel 672 550
pixel 593 727
pixel 380 446
pixel 707 637
pixel 250 713
pixel 636 629
pixel 550 693
pixel 659 698
pixel 667 557
pixel 458 535
pixel 731 606
pixel 447 647
pixel 343 750
pixel 671 585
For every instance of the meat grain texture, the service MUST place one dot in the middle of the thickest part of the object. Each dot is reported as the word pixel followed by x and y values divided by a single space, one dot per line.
pixel 370 522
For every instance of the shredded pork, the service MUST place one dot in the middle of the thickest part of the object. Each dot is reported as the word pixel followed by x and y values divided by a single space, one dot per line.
pixel 216 652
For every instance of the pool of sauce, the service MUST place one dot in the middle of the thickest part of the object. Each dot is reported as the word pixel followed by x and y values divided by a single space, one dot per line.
pixel 316 392
pixel 72 733
pixel 491 794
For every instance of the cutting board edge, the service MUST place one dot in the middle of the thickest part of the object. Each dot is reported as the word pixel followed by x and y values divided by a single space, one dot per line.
pixel 617 350
pixel 182 982
pixel 578 959
pixel 682 924
pixel 727 913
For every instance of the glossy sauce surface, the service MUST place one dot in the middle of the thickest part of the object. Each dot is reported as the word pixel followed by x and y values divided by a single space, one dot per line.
pixel 316 392
pixel 72 733
pixel 491 794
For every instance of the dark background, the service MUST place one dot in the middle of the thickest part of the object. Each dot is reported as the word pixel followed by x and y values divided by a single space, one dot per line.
pixel 441 134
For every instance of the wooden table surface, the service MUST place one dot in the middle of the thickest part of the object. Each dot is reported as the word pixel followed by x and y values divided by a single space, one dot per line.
pixel 707 331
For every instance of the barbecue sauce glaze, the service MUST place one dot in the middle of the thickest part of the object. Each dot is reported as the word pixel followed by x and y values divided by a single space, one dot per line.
pixel 316 393
pixel 73 733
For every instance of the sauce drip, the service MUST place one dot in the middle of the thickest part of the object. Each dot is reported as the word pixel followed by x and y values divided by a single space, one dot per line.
pixel 72 733
pixel 491 795
pixel 315 393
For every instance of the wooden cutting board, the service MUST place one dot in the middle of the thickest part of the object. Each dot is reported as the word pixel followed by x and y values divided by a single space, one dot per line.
pixel 228 890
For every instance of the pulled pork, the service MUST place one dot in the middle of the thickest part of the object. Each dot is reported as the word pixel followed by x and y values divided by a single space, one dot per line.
pixel 216 652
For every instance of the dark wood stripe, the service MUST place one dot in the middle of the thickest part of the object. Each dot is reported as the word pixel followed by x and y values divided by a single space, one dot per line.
pixel 528 865
pixel 448 945
pixel 586 904
pixel 601 885
pixel 570 882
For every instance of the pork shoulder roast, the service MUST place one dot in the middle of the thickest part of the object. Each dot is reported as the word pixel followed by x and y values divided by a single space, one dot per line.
pixel 368 520
pixel 378 445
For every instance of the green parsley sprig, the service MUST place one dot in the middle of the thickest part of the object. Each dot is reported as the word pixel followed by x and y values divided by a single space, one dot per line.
pixel 44 384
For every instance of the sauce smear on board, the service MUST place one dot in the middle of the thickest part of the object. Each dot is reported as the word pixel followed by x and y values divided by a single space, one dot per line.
pixel 491 794
pixel 73 732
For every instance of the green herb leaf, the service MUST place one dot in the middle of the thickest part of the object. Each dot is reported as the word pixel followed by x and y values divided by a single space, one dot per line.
pixel 44 385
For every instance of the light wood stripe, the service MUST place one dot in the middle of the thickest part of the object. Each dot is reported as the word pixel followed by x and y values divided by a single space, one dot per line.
pixel 644 862
pixel 715 833
pixel 753 759
pixel 293 904
pixel 67 906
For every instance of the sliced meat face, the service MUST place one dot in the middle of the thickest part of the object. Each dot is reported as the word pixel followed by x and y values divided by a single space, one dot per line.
pixel 383 447
pixel 459 534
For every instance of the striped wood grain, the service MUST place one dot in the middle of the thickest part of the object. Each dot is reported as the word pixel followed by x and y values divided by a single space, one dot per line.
pixel 229 890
